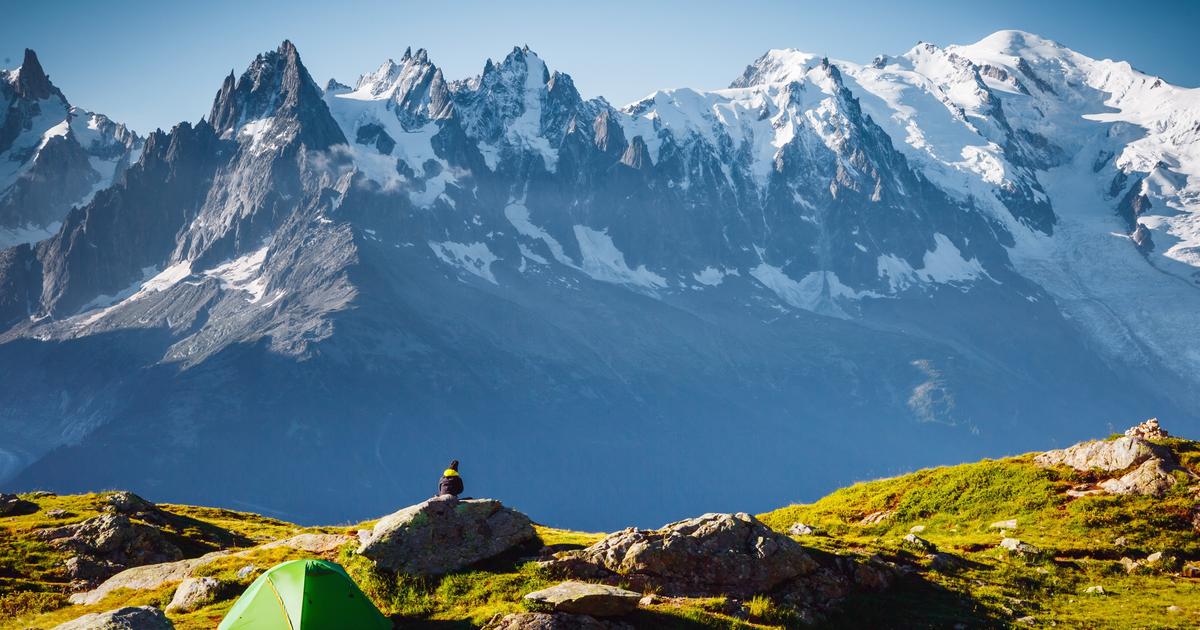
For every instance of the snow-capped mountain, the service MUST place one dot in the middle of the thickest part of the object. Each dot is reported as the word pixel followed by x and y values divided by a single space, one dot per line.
pixel 52 155
pixel 927 258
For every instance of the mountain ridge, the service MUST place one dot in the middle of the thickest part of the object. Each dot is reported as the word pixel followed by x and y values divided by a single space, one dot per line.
pixel 885 265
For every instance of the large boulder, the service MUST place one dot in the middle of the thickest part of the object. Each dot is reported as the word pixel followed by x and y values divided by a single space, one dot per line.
pixel 1108 456
pixel 130 618
pixel 582 598
pixel 13 505
pixel 729 554
pixel 553 621
pixel 444 534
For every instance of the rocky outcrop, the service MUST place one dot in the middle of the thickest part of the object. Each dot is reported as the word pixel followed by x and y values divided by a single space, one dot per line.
pixel 107 544
pixel 1151 469
pixel 131 618
pixel 197 592
pixel 1107 456
pixel 714 553
pixel 553 621
pixel 444 534
pixel 582 598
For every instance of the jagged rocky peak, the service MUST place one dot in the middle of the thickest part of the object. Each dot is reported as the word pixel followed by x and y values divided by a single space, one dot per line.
pixel 275 88
pixel 31 81
pixel 414 88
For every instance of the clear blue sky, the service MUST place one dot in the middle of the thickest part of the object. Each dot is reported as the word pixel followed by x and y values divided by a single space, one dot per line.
pixel 151 63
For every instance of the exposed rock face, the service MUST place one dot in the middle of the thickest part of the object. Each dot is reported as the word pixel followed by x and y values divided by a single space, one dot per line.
pixel 714 553
pixel 553 621
pixel 107 544
pixel 444 534
pixel 1148 430
pixel 582 598
pixel 131 618
pixel 1119 454
pixel 194 593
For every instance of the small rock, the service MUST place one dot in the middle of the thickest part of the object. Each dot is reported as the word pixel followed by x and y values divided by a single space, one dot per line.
pixel 649 600
pixel 1131 566
pixel 875 518
pixel 1095 590
pixel 1191 571
pixel 1174 609
pixel 41 494
pixel 1018 548
pixel 194 593
pixel 246 571
pixel 801 529
pixel 582 598
pixel 1121 541
pixel 913 541
pixel 1155 557
pixel 129 618
pixel 1009 524
pixel 1026 620
pixel 58 514
pixel 916 529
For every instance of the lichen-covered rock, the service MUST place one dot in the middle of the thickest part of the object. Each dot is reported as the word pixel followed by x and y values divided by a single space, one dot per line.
pixel 130 618
pixel 444 534
pixel 1108 456
pixel 553 621
pixel 196 592
pixel 714 553
pixel 582 598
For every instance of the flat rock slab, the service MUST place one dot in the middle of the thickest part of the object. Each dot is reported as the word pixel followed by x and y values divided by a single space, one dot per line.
pixel 583 598
pixel 1108 456
pixel 130 618
pixel 444 534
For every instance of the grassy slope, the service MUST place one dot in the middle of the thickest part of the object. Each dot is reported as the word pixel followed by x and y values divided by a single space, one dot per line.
pixel 955 504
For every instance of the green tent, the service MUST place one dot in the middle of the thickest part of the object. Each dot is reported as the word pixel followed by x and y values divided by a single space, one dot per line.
pixel 304 595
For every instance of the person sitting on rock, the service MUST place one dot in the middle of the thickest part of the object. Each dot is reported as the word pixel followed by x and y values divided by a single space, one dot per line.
pixel 451 483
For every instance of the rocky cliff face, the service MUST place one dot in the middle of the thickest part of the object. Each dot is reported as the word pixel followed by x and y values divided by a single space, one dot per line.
pixel 878 265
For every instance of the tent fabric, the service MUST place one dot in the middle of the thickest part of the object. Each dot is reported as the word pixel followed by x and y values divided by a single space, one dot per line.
pixel 304 595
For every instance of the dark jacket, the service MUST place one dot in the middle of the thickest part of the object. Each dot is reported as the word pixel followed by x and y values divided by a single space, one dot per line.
pixel 451 483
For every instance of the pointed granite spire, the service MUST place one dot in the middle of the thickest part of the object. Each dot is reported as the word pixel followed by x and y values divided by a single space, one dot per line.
pixel 32 82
